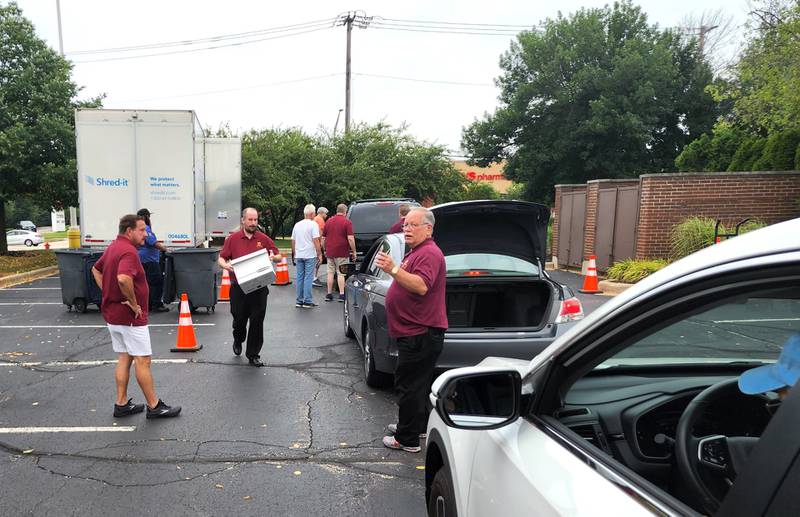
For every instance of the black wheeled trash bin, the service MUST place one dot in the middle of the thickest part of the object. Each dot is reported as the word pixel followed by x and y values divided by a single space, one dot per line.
pixel 195 273
pixel 78 288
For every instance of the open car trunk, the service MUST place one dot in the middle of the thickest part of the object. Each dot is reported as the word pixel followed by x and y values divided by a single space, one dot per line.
pixel 497 303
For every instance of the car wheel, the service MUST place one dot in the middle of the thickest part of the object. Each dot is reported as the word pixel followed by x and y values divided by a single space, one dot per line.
pixel 28 242
pixel 348 331
pixel 372 376
pixel 442 501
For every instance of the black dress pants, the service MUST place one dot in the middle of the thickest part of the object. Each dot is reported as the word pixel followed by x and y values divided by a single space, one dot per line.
pixel 155 281
pixel 249 308
pixel 413 376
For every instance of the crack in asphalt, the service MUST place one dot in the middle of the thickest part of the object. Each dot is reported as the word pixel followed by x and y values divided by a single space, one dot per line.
pixel 310 421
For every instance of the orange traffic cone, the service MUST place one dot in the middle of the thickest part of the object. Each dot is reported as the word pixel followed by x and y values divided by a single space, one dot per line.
pixel 590 281
pixel 282 273
pixel 186 341
pixel 225 288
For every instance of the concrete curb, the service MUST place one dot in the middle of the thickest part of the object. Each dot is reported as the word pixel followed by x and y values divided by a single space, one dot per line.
pixel 28 276
pixel 611 288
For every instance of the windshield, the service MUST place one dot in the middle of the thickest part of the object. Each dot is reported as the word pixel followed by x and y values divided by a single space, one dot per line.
pixel 750 331
pixel 496 265
pixel 375 217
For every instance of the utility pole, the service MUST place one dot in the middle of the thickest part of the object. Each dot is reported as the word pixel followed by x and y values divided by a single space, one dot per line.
pixel 347 76
pixel 701 39
pixel 360 20
pixel 60 38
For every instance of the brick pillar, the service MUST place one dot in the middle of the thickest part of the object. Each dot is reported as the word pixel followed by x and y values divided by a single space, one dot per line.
pixel 590 231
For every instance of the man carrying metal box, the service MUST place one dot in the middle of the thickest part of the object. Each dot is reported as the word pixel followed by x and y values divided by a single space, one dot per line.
pixel 247 307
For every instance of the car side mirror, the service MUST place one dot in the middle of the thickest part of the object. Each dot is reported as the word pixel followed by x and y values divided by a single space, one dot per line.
pixel 479 400
pixel 347 269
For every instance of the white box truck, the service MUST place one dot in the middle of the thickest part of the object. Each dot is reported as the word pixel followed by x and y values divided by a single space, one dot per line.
pixel 223 186
pixel 132 159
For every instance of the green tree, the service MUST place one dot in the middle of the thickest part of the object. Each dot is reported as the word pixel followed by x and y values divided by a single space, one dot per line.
pixel 779 151
pixel 279 170
pixel 766 92
pixel 479 190
pixel 598 94
pixel 37 139
pixel 711 153
pixel 746 155
pixel 515 191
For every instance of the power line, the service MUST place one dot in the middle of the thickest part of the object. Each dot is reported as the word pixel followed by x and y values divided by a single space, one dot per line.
pixel 211 39
pixel 450 23
pixel 242 88
pixel 450 28
pixel 506 34
pixel 186 51
pixel 433 81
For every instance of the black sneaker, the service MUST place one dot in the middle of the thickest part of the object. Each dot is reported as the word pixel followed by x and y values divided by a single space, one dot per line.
pixel 163 411
pixel 341 297
pixel 329 297
pixel 160 308
pixel 129 408
pixel 299 305
pixel 309 305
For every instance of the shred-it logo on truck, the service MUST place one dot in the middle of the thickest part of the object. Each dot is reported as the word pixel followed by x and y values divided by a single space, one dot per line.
pixel 107 182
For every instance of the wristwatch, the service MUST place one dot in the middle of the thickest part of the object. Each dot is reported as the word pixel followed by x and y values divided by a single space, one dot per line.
pixel 394 270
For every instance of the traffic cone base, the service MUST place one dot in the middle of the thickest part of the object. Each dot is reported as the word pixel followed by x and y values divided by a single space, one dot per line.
pixel 225 287
pixel 186 339
pixel 590 284
pixel 282 273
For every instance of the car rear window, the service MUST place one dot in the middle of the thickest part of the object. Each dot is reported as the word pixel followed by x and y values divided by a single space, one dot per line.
pixel 489 263
pixel 374 217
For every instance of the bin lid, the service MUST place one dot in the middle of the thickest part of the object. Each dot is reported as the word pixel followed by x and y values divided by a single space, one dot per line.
pixel 189 251
pixel 76 251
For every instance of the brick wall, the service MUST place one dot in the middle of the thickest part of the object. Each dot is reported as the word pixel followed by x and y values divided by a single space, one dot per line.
pixel 667 199
pixel 556 210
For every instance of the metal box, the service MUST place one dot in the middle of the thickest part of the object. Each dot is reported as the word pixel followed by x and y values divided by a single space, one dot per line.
pixel 253 271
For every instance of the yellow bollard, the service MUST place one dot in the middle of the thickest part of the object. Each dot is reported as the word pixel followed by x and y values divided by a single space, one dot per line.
pixel 74 237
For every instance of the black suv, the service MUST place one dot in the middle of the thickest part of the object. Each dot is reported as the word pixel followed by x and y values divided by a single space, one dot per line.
pixel 372 219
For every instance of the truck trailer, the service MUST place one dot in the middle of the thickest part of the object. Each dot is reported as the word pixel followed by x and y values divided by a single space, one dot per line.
pixel 132 159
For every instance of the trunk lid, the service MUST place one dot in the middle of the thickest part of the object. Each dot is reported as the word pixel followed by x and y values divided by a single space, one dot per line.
pixel 516 228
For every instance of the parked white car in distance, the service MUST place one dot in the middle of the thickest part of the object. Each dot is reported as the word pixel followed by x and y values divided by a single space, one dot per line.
pixel 26 237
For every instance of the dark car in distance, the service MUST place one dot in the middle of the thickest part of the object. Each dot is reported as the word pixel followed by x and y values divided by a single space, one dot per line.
pixel 372 219
pixel 500 300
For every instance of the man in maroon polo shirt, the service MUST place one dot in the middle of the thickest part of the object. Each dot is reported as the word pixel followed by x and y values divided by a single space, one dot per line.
pixel 340 245
pixel 415 312
pixel 251 307
pixel 397 227
pixel 120 275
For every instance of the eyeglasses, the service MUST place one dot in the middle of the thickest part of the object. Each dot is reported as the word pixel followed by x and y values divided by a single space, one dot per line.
pixel 414 225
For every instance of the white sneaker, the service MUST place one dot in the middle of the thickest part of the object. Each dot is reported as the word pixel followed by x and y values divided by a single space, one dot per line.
pixel 391 443
pixel 392 428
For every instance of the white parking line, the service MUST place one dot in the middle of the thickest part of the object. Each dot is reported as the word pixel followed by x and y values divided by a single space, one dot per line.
pixel 100 362
pixel 30 288
pixel 95 326
pixel 766 320
pixel 29 430
pixel 31 303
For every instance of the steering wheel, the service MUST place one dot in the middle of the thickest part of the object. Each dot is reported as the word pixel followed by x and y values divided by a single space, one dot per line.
pixel 709 464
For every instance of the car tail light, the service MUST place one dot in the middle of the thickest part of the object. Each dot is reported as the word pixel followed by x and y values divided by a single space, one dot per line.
pixel 475 273
pixel 571 310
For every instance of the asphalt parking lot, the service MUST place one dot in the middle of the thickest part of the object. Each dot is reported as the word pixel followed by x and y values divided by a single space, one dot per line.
pixel 299 437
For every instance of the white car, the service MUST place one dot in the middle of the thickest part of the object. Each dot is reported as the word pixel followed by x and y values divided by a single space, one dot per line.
pixel 636 410
pixel 26 237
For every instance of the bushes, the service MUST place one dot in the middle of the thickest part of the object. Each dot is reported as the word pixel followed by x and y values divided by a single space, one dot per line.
pixel 695 233
pixel 779 151
pixel 634 270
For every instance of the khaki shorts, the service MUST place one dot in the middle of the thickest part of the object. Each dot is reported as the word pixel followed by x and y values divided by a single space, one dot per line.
pixel 130 340
pixel 335 262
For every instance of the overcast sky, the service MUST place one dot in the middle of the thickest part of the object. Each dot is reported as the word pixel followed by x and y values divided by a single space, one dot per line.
pixel 436 83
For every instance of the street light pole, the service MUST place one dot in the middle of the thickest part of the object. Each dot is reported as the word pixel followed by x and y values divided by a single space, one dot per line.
pixel 349 22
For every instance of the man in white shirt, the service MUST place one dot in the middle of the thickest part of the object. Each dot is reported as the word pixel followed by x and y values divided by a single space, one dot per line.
pixel 306 253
